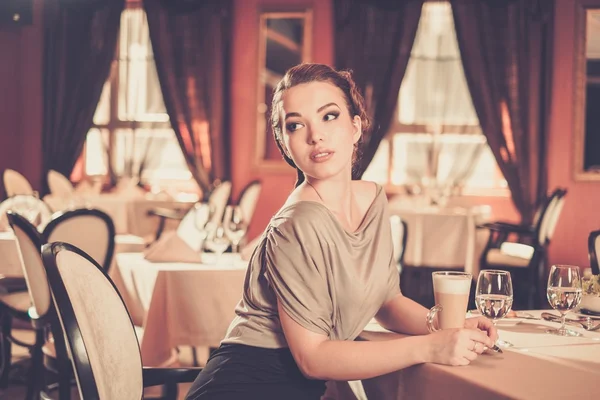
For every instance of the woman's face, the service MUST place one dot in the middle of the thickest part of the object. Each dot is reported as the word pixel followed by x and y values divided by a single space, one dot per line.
pixel 318 132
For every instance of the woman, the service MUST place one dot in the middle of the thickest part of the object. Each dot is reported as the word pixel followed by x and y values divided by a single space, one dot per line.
pixel 324 266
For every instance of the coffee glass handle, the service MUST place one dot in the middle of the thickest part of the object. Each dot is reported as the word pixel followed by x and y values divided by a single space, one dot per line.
pixel 431 317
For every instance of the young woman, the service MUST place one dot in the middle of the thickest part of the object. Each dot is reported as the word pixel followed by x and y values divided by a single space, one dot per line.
pixel 324 266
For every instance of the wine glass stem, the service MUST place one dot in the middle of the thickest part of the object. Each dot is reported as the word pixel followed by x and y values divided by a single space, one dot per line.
pixel 563 321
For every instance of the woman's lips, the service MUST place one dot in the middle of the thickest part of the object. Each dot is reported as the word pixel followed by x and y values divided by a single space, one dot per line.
pixel 321 155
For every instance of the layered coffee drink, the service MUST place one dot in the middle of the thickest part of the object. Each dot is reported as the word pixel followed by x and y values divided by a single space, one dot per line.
pixel 451 291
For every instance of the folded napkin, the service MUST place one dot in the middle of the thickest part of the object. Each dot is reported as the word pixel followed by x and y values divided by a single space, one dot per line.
pixel 171 248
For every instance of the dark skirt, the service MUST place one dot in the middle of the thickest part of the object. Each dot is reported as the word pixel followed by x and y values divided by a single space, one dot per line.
pixel 236 371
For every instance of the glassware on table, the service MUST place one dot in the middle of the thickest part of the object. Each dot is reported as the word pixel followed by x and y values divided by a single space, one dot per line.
pixel 234 225
pixel 217 243
pixel 494 297
pixel 564 294
pixel 451 292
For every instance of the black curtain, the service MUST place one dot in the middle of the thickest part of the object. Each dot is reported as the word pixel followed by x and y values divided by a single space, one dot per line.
pixel 374 38
pixel 79 46
pixel 191 43
pixel 506 49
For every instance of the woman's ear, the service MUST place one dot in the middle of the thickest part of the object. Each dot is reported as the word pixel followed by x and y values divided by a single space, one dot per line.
pixel 357 122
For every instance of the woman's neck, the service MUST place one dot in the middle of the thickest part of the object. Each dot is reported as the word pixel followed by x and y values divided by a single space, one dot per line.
pixel 336 195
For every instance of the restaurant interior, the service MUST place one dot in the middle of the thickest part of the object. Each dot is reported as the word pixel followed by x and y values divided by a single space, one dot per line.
pixel 139 171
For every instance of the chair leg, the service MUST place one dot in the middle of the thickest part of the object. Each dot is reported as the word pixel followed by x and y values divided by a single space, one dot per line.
pixel 170 391
pixel 36 374
pixel 6 347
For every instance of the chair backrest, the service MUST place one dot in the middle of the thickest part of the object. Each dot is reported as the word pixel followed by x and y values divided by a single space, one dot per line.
pixel 27 206
pixel 546 218
pixel 100 336
pixel 218 199
pixel 59 185
pixel 29 243
pixel 248 200
pixel 15 183
pixel 399 237
pixel 594 251
pixel 90 230
pixel 556 212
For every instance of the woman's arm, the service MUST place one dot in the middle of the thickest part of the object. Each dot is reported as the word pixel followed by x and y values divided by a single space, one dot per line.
pixel 403 315
pixel 321 358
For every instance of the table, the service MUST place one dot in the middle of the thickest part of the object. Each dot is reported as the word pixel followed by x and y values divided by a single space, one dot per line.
pixel 128 212
pixel 10 263
pixel 179 304
pixel 443 237
pixel 540 366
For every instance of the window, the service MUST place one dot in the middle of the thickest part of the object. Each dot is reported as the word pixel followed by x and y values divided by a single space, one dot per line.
pixel 435 139
pixel 131 134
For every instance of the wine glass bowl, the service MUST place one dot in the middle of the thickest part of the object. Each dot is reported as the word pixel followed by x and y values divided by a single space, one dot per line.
pixel 217 243
pixel 564 293
pixel 494 296
pixel 234 225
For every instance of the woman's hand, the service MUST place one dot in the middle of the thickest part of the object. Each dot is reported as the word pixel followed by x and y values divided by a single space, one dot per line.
pixel 483 324
pixel 457 346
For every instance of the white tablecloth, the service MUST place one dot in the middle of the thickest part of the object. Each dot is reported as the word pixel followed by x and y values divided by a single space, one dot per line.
pixel 10 264
pixel 179 303
pixel 129 213
pixel 443 237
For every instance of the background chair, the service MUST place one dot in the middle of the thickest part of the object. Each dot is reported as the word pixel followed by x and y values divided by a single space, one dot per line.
pixel 217 202
pixel 15 183
pixel 248 200
pixel 594 251
pixel 91 230
pixel 36 307
pixel 60 186
pixel 400 238
pixel 104 350
pixel 524 257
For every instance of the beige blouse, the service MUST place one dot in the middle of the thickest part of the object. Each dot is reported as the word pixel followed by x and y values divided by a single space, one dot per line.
pixel 328 280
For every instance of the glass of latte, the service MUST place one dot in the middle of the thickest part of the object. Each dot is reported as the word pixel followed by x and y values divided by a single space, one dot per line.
pixel 451 292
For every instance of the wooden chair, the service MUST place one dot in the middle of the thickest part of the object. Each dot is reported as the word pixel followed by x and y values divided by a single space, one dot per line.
pixel 524 257
pixel 91 230
pixel 16 184
pixel 594 251
pixel 35 307
pixel 100 335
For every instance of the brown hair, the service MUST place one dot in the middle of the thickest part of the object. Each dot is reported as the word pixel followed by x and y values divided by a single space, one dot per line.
pixel 306 73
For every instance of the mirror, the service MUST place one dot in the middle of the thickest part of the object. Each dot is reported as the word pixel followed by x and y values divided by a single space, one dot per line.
pixel 284 41
pixel 587 94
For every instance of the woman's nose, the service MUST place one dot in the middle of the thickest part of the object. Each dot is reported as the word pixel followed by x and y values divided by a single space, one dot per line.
pixel 315 136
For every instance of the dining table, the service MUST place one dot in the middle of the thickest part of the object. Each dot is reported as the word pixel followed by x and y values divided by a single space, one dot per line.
pixel 538 366
pixel 179 303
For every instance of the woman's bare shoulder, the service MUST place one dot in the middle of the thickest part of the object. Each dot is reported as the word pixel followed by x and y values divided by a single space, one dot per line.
pixel 365 192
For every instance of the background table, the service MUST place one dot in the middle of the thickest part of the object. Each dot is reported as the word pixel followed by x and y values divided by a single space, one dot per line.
pixel 179 304
pixel 10 264
pixel 443 237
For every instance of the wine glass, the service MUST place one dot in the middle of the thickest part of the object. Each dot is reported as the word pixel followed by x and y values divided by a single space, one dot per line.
pixel 494 296
pixel 217 242
pixel 235 226
pixel 564 293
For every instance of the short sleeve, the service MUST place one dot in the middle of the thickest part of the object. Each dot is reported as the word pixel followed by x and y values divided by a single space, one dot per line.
pixel 296 270
pixel 393 281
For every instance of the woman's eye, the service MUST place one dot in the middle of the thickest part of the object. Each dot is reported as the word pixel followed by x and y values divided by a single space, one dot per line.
pixel 330 116
pixel 293 126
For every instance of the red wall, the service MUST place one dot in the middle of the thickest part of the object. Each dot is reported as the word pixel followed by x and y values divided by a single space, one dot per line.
pixel 21 117
pixel 581 213
pixel 21 98
pixel 276 186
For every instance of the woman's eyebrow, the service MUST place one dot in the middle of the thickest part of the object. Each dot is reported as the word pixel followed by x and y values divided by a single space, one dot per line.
pixel 327 105
pixel 292 114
